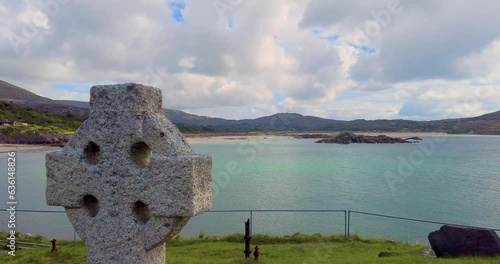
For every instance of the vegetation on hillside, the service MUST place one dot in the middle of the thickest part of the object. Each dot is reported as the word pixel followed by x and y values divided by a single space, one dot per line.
pixel 40 121
pixel 53 118
pixel 194 129
pixel 296 248
pixel 36 121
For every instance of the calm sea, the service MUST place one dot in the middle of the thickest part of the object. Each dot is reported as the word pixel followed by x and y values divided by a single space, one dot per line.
pixel 452 179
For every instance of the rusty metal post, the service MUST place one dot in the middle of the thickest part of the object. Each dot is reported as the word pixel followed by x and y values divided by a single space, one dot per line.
pixel 54 247
pixel 256 253
pixel 247 239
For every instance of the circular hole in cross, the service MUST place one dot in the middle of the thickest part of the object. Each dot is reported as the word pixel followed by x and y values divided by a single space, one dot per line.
pixel 140 154
pixel 92 153
pixel 91 205
pixel 141 212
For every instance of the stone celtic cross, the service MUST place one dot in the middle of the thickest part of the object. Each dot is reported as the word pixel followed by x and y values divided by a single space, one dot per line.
pixel 127 178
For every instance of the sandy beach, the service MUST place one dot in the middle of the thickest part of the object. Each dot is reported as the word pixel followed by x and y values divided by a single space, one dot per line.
pixel 21 147
pixel 215 139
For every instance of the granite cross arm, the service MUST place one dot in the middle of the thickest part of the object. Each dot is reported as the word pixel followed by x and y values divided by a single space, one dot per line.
pixel 127 178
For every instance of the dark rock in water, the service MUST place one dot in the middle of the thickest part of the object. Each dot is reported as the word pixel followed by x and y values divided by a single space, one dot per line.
pixel 413 138
pixel 454 241
pixel 348 138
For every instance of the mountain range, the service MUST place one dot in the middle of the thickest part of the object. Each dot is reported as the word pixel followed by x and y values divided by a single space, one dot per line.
pixel 488 124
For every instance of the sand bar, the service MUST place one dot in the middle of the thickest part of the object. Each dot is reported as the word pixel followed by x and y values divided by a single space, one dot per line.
pixel 216 139
pixel 23 147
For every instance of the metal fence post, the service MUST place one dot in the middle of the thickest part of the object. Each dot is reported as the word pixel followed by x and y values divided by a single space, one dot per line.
pixel 347 217
pixel 251 222
pixel 348 224
pixel 345 224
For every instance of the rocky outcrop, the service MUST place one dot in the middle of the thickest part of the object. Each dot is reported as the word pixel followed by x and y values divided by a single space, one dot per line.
pixel 428 253
pixel 52 139
pixel 454 241
pixel 413 138
pixel 348 138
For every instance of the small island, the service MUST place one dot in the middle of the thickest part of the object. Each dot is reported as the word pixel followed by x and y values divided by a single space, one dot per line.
pixel 349 137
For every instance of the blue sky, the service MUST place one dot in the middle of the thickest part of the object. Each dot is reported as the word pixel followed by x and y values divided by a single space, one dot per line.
pixel 243 59
pixel 66 87
pixel 279 96
pixel 177 7
pixel 329 37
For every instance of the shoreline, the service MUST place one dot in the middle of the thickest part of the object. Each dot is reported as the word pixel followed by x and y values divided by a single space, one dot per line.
pixel 218 139
pixel 4 148
pixel 222 138
pixel 213 138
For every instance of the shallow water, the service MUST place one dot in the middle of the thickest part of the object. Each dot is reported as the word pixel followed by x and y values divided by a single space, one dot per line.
pixel 453 179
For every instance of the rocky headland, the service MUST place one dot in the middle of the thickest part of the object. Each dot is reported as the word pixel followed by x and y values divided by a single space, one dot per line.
pixel 349 137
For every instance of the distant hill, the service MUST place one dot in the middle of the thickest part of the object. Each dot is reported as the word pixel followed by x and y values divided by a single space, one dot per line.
pixel 84 105
pixel 22 97
pixel 485 124
pixel 491 116
pixel 10 92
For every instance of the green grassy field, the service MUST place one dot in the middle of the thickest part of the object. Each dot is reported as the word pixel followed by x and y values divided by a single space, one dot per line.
pixel 297 248
pixel 38 121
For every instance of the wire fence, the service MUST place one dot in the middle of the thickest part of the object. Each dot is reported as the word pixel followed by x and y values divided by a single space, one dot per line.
pixel 348 215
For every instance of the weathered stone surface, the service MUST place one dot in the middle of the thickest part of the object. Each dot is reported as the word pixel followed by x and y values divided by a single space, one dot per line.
pixel 127 178
pixel 453 241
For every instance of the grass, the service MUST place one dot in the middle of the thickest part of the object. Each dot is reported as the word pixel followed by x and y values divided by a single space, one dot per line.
pixel 38 117
pixel 296 248
pixel 38 121
pixel 33 129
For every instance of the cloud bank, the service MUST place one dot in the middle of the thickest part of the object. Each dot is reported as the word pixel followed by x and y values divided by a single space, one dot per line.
pixel 243 59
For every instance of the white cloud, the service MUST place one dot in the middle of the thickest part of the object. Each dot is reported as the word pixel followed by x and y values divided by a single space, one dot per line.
pixel 485 63
pixel 427 57
pixel 187 62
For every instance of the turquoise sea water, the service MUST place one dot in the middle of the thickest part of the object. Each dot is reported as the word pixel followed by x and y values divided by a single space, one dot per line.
pixel 453 179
